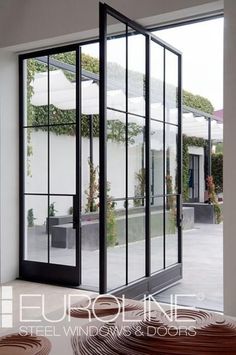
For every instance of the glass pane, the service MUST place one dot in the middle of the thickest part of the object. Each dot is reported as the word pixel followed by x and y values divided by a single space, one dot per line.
pixel 60 227
pixel 171 133
pixel 136 157
pixel 171 230
pixel 136 73
pixel 116 154
pixel 116 67
pixel 196 177
pixel 157 160
pixel 62 83
pixel 116 244
pixel 36 88
pixel 36 160
pixel 156 83
pixel 36 237
pixel 90 248
pixel 90 167
pixel 90 85
pixel 171 87
pixel 136 239
pixel 63 160
pixel 157 215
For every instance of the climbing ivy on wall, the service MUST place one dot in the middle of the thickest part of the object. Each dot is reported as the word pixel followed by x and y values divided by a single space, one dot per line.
pixel 198 102
pixel 38 115
pixel 115 128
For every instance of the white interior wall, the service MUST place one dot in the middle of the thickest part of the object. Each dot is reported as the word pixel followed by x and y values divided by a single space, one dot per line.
pixel 58 21
pixel 229 158
pixel 9 167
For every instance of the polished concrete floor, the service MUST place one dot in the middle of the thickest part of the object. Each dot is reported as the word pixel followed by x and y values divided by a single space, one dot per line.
pixel 202 283
pixel 116 258
pixel 40 309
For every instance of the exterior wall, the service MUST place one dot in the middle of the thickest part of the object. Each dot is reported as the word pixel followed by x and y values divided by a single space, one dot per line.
pixel 199 151
pixel 62 175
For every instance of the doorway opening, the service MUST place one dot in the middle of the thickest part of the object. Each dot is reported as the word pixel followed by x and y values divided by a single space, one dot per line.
pixel 193 178
pixel 202 127
pixel 91 214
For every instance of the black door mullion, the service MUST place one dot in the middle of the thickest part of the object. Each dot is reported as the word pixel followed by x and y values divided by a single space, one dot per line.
pixel 77 211
pixel 103 151
pixel 48 229
pixel 147 158
pixel 179 160
pixel 164 158
pixel 126 162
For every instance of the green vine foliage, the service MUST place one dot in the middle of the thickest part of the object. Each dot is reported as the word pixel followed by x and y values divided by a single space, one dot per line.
pixel 38 115
pixel 213 199
pixel 116 130
pixel 198 102
pixel 217 171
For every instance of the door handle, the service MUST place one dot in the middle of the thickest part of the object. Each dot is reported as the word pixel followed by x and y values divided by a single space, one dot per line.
pixel 75 211
pixel 180 212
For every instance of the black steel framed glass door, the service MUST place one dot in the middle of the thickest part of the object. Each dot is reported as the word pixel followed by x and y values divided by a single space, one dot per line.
pixel 140 195
pixel 100 161
pixel 50 174
pixel 194 178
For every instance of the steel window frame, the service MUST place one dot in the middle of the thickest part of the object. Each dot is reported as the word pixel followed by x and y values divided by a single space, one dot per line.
pixel 37 270
pixel 174 272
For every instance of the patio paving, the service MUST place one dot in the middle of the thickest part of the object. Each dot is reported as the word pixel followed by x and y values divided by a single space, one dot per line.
pixel 202 264
pixel 203 269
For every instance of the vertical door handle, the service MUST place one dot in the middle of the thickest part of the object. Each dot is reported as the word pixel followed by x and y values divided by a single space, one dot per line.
pixel 75 211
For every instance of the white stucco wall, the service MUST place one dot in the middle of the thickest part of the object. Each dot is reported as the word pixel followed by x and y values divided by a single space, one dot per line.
pixel 62 170
pixel 229 158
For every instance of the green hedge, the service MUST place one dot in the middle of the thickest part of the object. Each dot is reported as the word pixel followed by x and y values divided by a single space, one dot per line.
pixel 217 171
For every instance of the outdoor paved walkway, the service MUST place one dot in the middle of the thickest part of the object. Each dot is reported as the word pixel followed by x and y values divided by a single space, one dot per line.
pixel 202 264
pixel 203 269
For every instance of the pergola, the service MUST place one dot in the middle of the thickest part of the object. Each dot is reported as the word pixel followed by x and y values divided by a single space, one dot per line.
pixel 195 123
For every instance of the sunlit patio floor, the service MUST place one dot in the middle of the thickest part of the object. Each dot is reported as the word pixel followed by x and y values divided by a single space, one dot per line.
pixel 202 283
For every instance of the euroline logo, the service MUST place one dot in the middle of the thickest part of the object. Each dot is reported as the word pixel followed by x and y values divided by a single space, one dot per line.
pixel 6 307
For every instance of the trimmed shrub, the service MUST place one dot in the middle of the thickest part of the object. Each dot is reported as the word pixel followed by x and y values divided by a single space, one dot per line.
pixel 217 171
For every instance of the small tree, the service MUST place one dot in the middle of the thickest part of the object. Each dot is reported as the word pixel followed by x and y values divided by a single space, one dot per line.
pixel 212 198
pixel 52 210
pixel 217 171
pixel 170 203
pixel 93 190
pixel 140 187
pixel 30 217
pixel 92 204
pixel 111 219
